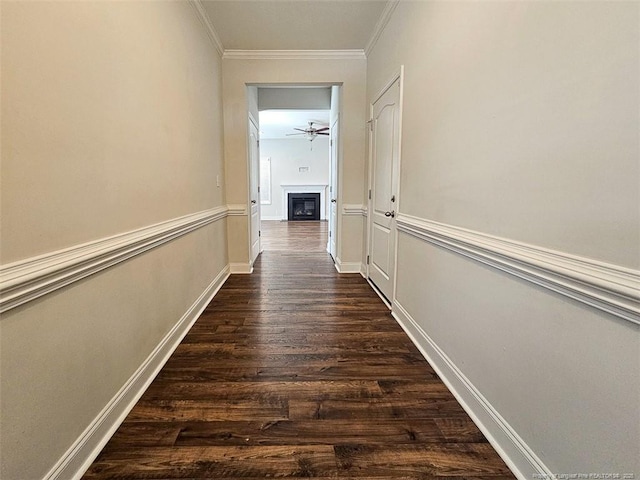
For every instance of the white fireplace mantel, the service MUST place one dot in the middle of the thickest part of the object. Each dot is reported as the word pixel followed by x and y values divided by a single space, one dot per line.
pixel 287 189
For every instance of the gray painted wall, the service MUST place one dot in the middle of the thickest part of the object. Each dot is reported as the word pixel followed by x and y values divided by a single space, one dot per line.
pixel 521 121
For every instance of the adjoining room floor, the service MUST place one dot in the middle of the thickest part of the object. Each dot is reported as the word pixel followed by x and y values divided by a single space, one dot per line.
pixel 302 236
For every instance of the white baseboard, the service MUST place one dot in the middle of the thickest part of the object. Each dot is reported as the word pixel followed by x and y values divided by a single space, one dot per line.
pixel 522 461
pixel 241 268
pixel 363 270
pixel 86 448
pixel 378 292
pixel 347 267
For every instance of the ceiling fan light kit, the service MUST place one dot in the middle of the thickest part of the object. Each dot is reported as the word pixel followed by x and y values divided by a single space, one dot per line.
pixel 311 132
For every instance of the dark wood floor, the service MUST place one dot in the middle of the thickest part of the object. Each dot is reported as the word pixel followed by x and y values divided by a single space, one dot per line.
pixel 297 371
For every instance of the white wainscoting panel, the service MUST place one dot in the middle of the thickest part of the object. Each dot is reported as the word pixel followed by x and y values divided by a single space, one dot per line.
pixel 28 279
pixel 86 448
pixel 610 288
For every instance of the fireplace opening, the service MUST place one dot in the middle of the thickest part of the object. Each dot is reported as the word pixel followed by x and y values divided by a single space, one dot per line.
pixel 304 206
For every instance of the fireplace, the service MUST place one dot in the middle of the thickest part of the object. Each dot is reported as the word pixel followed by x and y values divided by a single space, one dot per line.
pixel 303 206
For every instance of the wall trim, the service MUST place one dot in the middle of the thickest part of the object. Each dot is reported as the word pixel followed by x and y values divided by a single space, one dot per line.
pixel 237 210
pixel 610 288
pixel 354 209
pixel 243 268
pixel 355 54
pixel 75 462
pixel 31 278
pixel 518 456
pixel 385 16
pixel 347 267
pixel 206 22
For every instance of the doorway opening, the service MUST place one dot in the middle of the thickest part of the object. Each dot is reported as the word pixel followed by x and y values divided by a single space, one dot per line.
pixel 297 171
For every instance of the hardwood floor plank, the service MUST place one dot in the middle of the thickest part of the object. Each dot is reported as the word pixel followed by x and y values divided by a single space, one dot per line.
pixel 235 390
pixel 325 409
pixel 217 462
pixel 266 408
pixel 457 459
pixel 309 432
pixel 297 371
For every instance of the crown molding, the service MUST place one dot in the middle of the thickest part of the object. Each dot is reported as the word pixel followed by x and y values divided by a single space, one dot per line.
pixel 201 13
pixel 294 55
pixel 382 22
pixel 611 288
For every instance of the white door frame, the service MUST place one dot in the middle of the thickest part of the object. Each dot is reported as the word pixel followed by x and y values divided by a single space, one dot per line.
pixel 334 189
pixel 399 75
pixel 338 159
pixel 252 120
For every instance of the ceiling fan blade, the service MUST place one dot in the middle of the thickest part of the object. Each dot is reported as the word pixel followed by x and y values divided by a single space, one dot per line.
pixel 290 134
pixel 322 129
pixel 301 129
pixel 323 133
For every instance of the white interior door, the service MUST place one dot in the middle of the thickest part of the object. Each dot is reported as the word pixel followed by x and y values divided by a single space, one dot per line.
pixel 254 191
pixel 384 189
pixel 333 190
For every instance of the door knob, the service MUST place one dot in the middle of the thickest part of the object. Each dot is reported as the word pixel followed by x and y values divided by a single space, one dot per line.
pixel 253 202
pixel 390 214
pixel 333 200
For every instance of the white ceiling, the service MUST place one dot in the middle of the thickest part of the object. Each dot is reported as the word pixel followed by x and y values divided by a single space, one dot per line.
pixel 294 25
pixel 279 123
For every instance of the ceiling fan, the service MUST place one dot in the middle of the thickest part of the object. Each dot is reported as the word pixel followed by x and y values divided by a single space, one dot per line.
pixel 310 132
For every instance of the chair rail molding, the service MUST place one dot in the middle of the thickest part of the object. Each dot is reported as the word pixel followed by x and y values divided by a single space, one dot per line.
pixel 610 288
pixel 237 210
pixel 28 279
pixel 354 209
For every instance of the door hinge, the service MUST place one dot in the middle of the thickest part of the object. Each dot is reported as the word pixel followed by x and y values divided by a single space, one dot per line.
pixel 369 194
pixel 331 142
pixel 329 233
pixel 367 259
pixel 258 189
pixel 259 233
